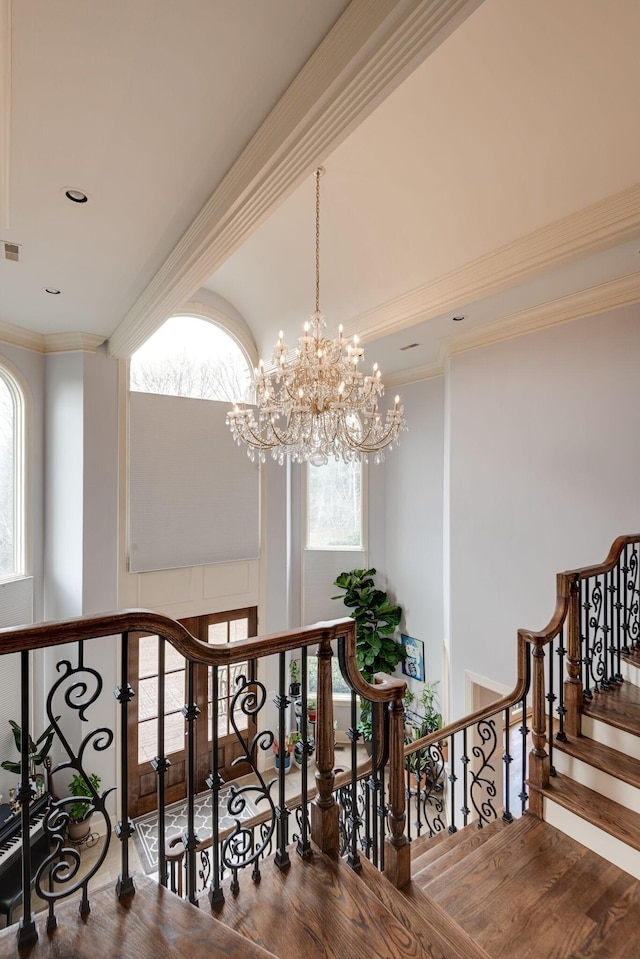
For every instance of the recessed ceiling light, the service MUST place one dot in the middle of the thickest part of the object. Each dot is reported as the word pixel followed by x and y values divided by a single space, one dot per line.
pixel 459 319
pixel 52 290
pixel 76 196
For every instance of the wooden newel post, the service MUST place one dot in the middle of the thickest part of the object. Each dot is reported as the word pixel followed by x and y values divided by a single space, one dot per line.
pixel 397 859
pixel 539 758
pixel 573 692
pixel 325 811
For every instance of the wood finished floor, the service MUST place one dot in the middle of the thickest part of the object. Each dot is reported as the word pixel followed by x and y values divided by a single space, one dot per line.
pixel 530 892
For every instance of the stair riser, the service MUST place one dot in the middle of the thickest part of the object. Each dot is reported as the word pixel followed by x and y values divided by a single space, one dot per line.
pixel 598 780
pixel 611 736
pixel 599 841
pixel 630 673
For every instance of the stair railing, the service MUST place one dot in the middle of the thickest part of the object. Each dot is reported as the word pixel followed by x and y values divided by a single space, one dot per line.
pixel 79 686
pixel 461 774
pixel 596 622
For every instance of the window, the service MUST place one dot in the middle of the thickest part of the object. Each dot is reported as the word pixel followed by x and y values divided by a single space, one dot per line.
pixel 193 357
pixel 12 446
pixel 334 506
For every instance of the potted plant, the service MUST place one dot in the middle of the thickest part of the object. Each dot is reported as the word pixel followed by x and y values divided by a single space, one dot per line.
pixel 376 621
pixel 38 752
pixel 418 725
pixel 80 812
pixel 283 754
pixel 294 674
pixel 312 710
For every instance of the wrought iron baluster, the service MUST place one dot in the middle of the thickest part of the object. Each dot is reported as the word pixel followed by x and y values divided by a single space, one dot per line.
pixel 382 816
pixel 354 822
pixel 607 657
pixel 161 764
pixel 507 759
pixel 524 731
pixel 551 698
pixel 304 844
pixel 452 781
pixel 282 813
pixel 27 932
pixel 618 623
pixel 561 710
pixel 125 828
pixel 373 785
pixel 191 712
pixel 464 759
pixel 216 895
pixel 584 640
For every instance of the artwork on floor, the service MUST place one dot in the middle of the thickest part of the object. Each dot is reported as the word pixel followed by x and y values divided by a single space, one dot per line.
pixel 413 665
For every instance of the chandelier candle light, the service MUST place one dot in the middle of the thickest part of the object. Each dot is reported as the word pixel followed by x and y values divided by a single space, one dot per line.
pixel 317 404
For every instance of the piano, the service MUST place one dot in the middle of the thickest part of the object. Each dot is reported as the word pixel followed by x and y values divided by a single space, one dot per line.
pixel 11 852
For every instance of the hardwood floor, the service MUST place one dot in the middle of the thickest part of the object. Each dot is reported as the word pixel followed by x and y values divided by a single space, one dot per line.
pixel 152 924
pixel 531 892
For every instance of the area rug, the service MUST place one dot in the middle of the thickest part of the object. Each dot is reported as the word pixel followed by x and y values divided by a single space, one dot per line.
pixel 146 834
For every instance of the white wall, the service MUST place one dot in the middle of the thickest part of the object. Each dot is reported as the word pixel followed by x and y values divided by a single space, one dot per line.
pixel 411 561
pixel 544 460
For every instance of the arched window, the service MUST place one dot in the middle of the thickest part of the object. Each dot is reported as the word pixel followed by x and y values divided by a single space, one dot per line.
pixel 189 356
pixel 12 478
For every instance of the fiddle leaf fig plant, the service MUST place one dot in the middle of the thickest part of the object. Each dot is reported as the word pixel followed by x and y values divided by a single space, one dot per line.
pixel 38 749
pixel 376 622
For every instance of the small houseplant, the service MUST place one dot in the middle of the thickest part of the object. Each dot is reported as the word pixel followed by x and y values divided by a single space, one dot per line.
pixel 376 622
pixel 81 810
pixel 38 751
pixel 294 675
pixel 421 724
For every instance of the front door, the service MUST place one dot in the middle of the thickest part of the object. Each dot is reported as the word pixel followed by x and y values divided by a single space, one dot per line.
pixel 215 628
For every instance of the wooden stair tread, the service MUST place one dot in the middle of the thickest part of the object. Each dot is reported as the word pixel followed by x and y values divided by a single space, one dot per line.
pixel 439 935
pixel 317 908
pixel 545 895
pixel 458 868
pixel 618 706
pixel 610 761
pixel 608 815
pixel 633 657
pixel 457 846
pixel 152 923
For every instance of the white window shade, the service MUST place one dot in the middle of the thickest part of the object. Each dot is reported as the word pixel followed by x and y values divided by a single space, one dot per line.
pixel 193 494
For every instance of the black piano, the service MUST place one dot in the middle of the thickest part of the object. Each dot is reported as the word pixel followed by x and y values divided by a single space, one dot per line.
pixel 11 851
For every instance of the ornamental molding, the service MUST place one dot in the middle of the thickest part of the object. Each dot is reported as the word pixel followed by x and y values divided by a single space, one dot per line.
pixel 598 227
pixel 371 49
pixel 49 342
pixel 612 295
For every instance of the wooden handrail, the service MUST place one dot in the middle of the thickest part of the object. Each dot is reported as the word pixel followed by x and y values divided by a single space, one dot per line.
pixel 567 611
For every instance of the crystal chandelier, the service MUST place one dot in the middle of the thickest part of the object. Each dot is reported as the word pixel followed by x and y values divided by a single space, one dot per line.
pixel 316 403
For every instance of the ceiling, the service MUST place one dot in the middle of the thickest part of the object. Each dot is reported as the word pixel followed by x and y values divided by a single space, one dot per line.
pixel 481 162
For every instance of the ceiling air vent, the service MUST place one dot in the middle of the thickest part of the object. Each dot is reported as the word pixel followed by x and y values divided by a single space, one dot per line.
pixel 11 251
pixel 410 346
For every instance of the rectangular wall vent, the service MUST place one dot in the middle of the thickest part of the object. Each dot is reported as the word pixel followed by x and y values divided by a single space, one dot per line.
pixel 11 251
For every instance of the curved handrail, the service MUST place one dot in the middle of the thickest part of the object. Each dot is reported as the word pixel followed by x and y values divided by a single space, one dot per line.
pixel 511 699
pixel 564 583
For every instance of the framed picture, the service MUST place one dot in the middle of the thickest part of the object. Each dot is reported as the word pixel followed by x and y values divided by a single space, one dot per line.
pixel 413 665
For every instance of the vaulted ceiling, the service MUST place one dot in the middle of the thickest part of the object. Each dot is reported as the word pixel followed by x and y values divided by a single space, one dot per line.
pixel 481 162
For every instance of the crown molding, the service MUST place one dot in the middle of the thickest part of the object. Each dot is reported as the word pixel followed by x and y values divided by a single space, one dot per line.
pixel 49 342
pixel 373 46
pixel 575 306
pixel 601 226
pixel 5 110
pixel 72 342
pixel 597 299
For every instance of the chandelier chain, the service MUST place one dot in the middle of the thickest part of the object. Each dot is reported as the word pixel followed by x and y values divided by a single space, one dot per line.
pixel 319 173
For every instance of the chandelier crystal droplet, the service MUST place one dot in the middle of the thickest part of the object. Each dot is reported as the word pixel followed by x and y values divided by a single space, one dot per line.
pixel 315 403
